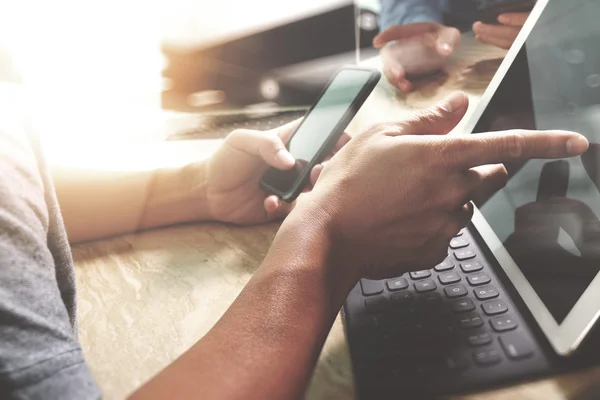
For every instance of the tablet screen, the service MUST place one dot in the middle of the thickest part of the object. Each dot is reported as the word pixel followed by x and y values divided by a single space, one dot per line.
pixel 547 217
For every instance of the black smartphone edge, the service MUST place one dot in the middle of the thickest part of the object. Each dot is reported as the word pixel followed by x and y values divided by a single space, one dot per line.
pixel 334 136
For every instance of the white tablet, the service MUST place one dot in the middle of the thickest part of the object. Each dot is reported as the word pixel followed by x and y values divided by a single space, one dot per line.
pixel 543 227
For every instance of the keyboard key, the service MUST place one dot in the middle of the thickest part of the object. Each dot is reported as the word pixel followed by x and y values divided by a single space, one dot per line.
pixel 445 265
pixel 478 279
pixel 479 339
pixel 471 266
pixel 458 243
pixel 503 323
pixel 462 255
pixel 463 305
pixel 457 362
pixel 401 298
pixel 486 292
pixel 376 304
pixel 424 286
pixel 487 357
pixel 397 284
pixel 370 287
pixel 455 290
pixel 494 307
pixel 516 346
pixel 447 278
pixel 471 321
pixel 425 273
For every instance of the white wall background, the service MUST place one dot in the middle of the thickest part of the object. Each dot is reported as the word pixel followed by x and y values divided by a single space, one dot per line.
pixel 90 55
pixel 188 23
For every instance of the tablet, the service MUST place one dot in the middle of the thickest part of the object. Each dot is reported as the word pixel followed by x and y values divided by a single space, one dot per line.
pixel 543 227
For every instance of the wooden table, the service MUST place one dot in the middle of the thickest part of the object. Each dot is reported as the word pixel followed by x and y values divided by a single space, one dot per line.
pixel 145 298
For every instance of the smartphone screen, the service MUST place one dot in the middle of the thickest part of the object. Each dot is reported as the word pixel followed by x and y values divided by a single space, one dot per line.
pixel 336 106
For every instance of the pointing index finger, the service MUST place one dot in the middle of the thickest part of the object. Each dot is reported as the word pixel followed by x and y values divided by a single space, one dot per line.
pixel 468 151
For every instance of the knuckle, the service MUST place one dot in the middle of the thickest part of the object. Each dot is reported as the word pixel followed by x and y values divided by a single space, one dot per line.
pixel 428 152
pixel 235 139
pixel 448 156
pixel 273 142
pixel 235 135
pixel 514 144
pixel 476 180
pixel 267 141
pixel 426 117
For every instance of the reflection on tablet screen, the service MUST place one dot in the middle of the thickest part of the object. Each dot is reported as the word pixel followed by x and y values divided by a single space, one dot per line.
pixel 548 214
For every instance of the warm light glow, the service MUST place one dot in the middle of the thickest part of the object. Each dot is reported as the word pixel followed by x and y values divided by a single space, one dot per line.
pixel 91 68
pixel 269 88
pixel 140 156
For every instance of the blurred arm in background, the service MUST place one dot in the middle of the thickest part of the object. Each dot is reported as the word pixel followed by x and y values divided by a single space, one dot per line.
pixel 222 187
pixel 418 35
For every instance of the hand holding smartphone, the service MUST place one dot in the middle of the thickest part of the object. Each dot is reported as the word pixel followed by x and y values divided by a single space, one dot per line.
pixel 488 11
pixel 320 129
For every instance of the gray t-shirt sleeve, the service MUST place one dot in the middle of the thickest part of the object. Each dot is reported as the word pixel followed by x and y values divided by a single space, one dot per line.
pixel 40 357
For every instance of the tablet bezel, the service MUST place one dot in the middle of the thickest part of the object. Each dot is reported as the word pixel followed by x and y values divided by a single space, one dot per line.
pixel 564 337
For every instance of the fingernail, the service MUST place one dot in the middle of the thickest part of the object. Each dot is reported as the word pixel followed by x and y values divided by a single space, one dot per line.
pixel 446 48
pixel 277 204
pixel 453 103
pixel 503 19
pixel 577 145
pixel 376 42
pixel 396 72
pixel 285 158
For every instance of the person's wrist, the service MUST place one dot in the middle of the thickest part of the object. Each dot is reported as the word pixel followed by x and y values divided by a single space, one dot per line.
pixel 196 177
pixel 313 222
pixel 178 195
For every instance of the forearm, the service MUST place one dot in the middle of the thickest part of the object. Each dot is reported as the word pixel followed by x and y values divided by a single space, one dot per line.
pixel 98 202
pixel 266 344
pixel 402 12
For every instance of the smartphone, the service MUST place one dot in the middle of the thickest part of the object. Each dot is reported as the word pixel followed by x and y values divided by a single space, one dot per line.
pixel 488 11
pixel 321 128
